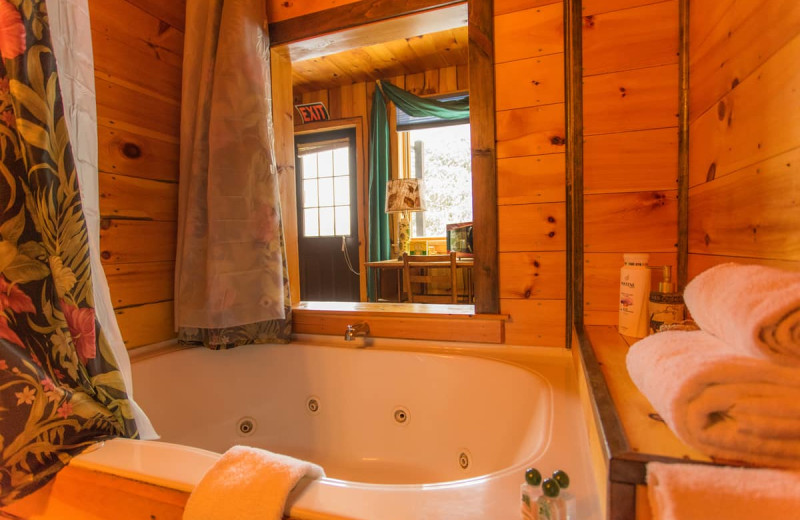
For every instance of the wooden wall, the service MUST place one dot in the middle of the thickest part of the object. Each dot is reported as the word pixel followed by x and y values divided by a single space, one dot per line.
pixel 744 154
pixel 529 85
pixel 138 53
pixel 630 96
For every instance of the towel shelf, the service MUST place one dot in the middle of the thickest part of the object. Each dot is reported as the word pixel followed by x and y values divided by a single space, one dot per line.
pixel 625 432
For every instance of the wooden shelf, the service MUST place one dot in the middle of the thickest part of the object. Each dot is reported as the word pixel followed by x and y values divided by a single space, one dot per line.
pixel 626 430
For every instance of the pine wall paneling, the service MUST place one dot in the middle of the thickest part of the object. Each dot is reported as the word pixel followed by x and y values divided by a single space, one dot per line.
pixel 630 143
pixel 744 195
pixel 529 82
pixel 138 131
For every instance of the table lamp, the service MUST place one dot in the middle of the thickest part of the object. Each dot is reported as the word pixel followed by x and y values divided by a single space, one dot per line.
pixel 404 196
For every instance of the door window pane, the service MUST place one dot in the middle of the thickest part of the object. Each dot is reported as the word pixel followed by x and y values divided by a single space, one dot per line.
pixel 341 188
pixel 311 222
pixel 341 162
pixel 325 167
pixel 326 222
pixel 342 220
pixel 310 193
pixel 309 166
pixel 326 192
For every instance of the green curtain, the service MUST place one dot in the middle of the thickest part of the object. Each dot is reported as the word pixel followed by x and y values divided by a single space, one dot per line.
pixel 61 389
pixel 379 247
pixel 379 242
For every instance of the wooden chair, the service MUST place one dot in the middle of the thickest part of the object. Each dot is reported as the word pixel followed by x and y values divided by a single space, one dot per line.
pixel 422 271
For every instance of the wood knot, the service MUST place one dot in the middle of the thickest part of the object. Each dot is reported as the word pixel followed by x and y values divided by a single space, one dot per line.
pixel 105 255
pixel 623 91
pixel 551 234
pixel 655 417
pixel 721 108
pixel 707 239
pixel 536 264
pixel 557 141
pixel 528 292
pixel 131 151
pixel 105 223
pixel 588 21
pixel 734 83
pixel 551 219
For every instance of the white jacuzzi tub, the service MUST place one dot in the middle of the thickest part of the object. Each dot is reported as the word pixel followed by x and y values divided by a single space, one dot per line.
pixel 401 433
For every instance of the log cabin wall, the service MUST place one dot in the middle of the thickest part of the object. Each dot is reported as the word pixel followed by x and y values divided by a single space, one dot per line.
pixel 744 133
pixel 138 53
pixel 630 97
pixel 529 87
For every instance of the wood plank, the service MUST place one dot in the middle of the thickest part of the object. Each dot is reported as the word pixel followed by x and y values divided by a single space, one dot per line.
pixel 644 160
pixel 539 275
pixel 136 284
pixel 136 155
pixel 699 263
pixel 601 279
pixel 77 493
pixel 531 131
pixel 645 433
pixel 356 16
pixel 483 152
pixel 757 120
pixel 634 38
pixel 510 6
pixel 406 326
pixel 278 10
pixel 123 64
pixel 136 241
pixel 704 16
pixel 642 221
pixel 526 34
pixel 146 324
pixel 530 82
pixel 172 12
pixel 632 100
pixel 746 36
pixel 532 227
pixel 593 7
pixel 531 179
pixel 129 197
pixel 119 104
pixel 535 322
pixel 283 124
pixel 754 212
pixel 122 20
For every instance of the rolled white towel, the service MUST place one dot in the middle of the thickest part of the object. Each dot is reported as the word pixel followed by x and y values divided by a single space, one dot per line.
pixel 684 491
pixel 751 307
pixel 247 484
pixel 729 406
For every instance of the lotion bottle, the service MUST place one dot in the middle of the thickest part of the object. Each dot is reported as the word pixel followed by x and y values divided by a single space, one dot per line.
pixel 666 305
pixel 634 289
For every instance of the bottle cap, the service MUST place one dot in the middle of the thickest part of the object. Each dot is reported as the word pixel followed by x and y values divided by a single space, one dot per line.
pixel 636 258
pixel 666 285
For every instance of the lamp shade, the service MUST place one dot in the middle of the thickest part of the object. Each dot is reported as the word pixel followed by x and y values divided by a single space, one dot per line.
pixel 404 195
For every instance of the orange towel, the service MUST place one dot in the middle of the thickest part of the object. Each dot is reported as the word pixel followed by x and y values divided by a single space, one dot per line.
pixel 247 484
pixel 701 492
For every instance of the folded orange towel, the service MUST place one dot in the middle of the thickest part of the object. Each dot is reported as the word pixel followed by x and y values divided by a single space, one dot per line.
pixel 247 484
pixel 700 492
pixel 728 406
pixel 753 308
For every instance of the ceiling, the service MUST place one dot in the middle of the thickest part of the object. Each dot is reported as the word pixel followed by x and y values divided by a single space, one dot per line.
pixel 411 55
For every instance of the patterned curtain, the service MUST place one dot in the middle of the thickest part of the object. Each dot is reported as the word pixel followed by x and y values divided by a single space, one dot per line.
pixel 231 281
pixel 60 387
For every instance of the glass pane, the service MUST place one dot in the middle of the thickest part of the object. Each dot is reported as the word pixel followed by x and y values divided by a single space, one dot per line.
pixel 341 190
pixel 325 222
pixel 310 193
pixel 326 164
pixel 341 161
pixel 326 192
pixel 310 223
pixel 310 166
pixel 342 220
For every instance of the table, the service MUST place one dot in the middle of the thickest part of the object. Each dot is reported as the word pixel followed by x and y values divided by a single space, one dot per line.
pixel 465 262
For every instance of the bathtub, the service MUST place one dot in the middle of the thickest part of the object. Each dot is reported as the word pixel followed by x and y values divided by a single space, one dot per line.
pixel 403 429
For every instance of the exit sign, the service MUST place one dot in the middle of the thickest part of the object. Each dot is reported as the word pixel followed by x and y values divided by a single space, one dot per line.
pixel 312 112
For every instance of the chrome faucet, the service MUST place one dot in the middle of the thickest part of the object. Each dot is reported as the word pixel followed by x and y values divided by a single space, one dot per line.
pixel 357 329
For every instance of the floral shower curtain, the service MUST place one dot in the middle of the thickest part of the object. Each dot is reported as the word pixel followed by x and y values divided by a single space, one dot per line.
pixel 231 281
pixel 61 386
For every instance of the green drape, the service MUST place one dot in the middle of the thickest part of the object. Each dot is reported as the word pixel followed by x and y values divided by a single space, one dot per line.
pixel 379 242
pixel 379 247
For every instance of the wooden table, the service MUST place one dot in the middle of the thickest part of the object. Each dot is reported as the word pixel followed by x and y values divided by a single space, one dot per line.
pixel 465 262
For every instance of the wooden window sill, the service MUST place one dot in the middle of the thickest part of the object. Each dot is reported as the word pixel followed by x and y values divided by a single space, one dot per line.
pixel 401 320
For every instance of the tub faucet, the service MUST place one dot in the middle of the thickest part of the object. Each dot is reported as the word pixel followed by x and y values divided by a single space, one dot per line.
pixel 356 329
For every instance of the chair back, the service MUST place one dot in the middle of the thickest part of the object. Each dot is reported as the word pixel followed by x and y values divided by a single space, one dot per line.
pixel 422 271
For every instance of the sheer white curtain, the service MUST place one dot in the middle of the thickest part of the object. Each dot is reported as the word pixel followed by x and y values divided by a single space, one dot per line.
pixel 230 260
pixel 72 44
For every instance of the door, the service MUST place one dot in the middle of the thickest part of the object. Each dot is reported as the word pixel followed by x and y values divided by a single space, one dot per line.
pixel 327 216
